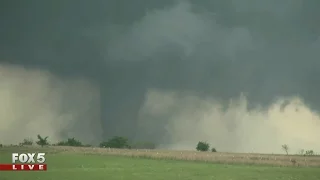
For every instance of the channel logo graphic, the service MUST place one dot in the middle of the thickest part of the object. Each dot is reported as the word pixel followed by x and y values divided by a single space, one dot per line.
pixel 26 162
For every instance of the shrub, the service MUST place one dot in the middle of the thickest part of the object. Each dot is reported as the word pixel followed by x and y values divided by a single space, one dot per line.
pixel 116 142
pixel 309 153
pixel 285 148
pixel 61 143
pixel 202 146
pixel 143 145
pixel 70 142
pixel 42 141
pixel 26 142
pixel 213 150
pixel 1 145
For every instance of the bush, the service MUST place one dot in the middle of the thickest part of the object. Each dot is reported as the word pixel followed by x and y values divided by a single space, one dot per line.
pixel 61 143
pixel 309 153
pixel 202 146
pixel 143 145
pixel 26 142
pixel 70 142
pixel 1 145
pixel 116 142
pixel 42 141
pixel 285 148
pixel 213 150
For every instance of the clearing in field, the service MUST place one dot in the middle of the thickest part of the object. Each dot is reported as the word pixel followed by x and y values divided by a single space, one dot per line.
pixel 99 164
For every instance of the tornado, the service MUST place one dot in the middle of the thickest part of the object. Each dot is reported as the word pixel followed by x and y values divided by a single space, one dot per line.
pixel 240 75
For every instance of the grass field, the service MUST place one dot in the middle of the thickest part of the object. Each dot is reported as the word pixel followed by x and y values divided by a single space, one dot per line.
pixel 112 164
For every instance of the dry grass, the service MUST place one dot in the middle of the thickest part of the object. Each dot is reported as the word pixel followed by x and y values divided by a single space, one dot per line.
pixel 225 158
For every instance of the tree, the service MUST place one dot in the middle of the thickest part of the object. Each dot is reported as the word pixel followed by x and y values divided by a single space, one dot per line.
pixel 26 142
pixel 285 148
pixel 70 142
pixel 202 146
pixel 42 141
pixel 116 142
pixel 213 150
pixel 309 153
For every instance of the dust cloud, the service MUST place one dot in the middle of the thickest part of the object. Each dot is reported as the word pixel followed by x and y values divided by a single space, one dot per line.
pixel 35 102
pixel 269 71
pixel 234 129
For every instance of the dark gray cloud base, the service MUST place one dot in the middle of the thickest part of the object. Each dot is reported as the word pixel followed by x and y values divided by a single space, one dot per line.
pixel 155 70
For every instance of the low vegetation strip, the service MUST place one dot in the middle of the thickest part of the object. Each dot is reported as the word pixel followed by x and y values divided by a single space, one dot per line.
pixel 217 157
pixel 121 146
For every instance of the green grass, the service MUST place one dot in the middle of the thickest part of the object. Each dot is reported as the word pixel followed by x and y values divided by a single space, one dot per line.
pixel 106 167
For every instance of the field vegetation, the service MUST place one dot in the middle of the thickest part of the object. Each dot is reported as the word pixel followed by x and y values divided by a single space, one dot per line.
pixel 71 159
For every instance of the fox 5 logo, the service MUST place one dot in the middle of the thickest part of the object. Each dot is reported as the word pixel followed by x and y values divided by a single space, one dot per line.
pixel 28 157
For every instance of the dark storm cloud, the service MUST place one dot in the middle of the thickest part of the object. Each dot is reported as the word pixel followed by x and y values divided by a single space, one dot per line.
pixel 139 54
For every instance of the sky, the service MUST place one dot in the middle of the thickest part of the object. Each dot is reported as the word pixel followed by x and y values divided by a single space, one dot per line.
pixel 239 74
